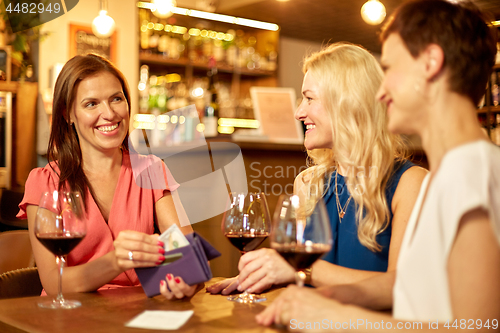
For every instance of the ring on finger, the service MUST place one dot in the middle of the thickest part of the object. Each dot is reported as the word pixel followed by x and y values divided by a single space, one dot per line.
pixel 130 255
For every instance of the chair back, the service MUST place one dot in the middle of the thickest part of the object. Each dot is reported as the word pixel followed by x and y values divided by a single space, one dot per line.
pixel 9 202
pixel 20 283
pixel 15 250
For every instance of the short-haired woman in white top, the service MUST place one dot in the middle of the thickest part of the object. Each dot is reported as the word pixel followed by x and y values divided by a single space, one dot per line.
pixel 437 57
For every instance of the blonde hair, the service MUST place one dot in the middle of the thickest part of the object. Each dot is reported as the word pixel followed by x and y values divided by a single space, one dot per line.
pixel 349 77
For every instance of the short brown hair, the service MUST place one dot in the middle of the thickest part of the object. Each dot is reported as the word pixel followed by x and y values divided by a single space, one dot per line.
pixel 462 32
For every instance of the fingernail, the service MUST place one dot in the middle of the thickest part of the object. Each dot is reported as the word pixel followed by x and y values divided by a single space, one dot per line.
pixel 169 277
pixel 162 282
pixel 239 288
pixel 161 250
pixel 177 280
pixel 160 243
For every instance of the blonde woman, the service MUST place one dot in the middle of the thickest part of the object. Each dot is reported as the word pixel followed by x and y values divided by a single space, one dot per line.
pixel 358 169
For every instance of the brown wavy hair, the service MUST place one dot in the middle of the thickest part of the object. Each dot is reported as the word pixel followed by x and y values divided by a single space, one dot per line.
pixel 64 146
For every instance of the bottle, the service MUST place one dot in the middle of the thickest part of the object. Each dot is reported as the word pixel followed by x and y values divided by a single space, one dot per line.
pixel 154 36
pixel 164 43
pixel 230 47
pixel 161 100
pixel 494 89
pixel 211 115
pixel 145 32
pixel 144 89
pixel 153 95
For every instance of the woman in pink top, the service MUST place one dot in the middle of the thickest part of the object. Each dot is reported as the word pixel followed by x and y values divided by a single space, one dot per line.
pixel 89 153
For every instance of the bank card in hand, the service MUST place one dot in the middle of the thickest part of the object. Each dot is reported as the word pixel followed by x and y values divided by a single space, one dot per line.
pixel 173 238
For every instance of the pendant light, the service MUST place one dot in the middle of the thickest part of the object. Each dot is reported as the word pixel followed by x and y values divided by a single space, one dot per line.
pixel 163 8
pixel 103 25
pixel 373 12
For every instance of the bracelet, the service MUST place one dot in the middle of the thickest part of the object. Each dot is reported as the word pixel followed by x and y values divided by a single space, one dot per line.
pixel 308 272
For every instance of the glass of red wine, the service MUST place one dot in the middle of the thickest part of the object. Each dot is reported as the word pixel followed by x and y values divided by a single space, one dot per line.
pixel 301 232
pixel 246 224
pixel 60 225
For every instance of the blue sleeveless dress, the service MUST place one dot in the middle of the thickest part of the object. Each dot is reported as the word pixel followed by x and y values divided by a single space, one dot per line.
pixel 347 251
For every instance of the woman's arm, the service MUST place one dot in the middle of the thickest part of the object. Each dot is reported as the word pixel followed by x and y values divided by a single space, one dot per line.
pixel 402 205
pixel 473 270
pixel 93 275
pixel 169 211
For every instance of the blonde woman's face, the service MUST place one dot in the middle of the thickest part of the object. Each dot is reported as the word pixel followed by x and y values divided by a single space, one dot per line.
pixel 100 113
pixel 314 116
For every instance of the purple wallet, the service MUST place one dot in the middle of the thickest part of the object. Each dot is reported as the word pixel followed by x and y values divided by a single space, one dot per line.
pixel 189 262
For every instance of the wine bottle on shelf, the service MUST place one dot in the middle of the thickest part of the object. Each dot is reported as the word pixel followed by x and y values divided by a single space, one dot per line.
pixel 144 89
pixel 211 115
pixel 164 44
pixel 231 51
pixel 144 31
pixel 161 100
pixel 144 38
pixel 154 36
pixel 207 48
pixel 175 42
pixel 494 89
pixel 153 94
pixel 218 51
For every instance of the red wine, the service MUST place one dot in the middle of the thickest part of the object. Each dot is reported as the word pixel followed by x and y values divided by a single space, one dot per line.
pixel 60 243
pixel 246 241
pixel 301 257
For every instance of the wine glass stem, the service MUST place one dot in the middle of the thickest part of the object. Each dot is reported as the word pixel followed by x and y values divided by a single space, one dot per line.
pixel 60 263
pixel 245 293
pixel 300 278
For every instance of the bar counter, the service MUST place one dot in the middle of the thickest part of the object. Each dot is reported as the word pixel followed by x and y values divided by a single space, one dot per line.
pixel 108 311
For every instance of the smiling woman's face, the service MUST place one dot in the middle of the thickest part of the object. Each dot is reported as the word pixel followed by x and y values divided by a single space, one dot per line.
pixel 100 113
pixel 315 117
pixel 402 87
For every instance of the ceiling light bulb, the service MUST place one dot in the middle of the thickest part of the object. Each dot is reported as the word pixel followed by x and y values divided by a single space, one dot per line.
pixel 163 8
pixel 103 25
pixel 373 12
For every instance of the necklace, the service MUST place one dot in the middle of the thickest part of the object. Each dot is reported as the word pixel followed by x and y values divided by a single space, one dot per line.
pixel 341 211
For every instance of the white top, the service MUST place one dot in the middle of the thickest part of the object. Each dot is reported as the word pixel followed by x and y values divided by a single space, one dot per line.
pixel 468 178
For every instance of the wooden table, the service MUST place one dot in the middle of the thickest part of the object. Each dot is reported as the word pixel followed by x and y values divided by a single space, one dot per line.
pixel 108 311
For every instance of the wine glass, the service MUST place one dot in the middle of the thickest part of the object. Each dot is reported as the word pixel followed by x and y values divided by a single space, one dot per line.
pixel 246 224
pixel 60 224
pixel 301 233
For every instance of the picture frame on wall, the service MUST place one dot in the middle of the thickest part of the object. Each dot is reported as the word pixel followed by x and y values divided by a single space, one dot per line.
pixel 82 41
pixel 5 63
pixel 274 108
